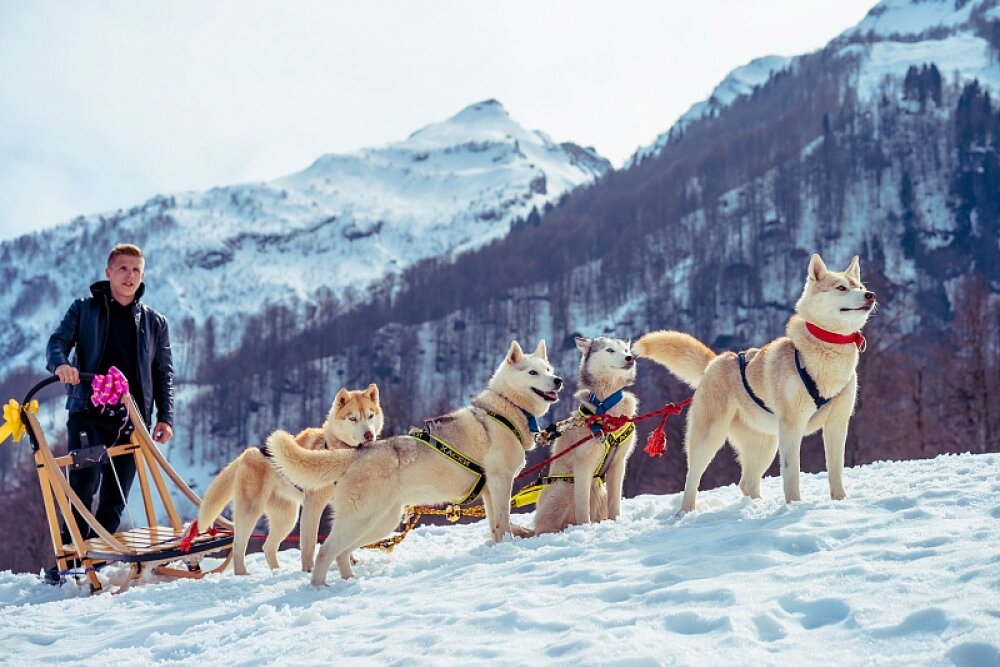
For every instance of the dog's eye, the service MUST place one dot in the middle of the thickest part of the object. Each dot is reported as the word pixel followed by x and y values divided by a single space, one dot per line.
pixel 353 418
pixel 610 349
pixel 372 415
pixel 532 372
pixel 841 288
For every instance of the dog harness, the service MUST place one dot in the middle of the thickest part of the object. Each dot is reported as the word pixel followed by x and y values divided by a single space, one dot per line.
pixel 807 381
pixel 810 384
pixel 741 355
pixel 611 441
pixel 441 447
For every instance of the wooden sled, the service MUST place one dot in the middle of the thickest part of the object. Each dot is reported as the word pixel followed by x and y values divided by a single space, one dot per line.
pixel 151 547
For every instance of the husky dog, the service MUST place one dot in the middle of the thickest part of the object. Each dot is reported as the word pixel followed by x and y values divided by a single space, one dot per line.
pixel 766 399
pixel 255 486
pixel 574 490
pixel 477 448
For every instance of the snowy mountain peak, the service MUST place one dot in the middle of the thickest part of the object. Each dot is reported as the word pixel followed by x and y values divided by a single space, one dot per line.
pixel 347 220
pixel 741 81
pixel 902 18
pixel 487 109
pixel 895 35
pixel 475 127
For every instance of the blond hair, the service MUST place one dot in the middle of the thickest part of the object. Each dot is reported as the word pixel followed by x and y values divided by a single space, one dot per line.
pixel 125 249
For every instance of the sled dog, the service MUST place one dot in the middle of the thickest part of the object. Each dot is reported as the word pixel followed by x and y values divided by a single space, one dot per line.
pixel 375 483
pixel 764 400
pixel 255 486
pixel 586 484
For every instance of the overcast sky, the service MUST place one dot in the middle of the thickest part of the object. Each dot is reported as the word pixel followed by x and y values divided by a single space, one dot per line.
pixel 103 105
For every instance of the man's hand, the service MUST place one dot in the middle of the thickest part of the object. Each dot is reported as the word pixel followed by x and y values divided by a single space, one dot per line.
pixel 68 374
pixel 162 433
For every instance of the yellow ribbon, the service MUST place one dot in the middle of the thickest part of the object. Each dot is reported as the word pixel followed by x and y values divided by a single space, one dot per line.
pixel 13 427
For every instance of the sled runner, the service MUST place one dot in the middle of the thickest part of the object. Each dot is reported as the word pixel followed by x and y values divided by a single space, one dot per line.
pixel 146 547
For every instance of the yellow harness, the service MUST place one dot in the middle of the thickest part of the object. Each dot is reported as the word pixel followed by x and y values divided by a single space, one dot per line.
pixel 441 447
pixel 529 494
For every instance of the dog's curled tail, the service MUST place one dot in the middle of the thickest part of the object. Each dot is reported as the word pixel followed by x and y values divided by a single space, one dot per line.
pixel 218 495
pixel 685 356
pixel 304 467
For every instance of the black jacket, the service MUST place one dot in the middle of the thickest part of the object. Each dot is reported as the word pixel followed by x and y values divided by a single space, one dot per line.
pixel 85 327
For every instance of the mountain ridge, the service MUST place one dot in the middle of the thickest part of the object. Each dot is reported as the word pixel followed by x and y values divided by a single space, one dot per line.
pixel 337 227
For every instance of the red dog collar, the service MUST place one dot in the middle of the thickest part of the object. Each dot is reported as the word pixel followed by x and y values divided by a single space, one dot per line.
pixel 839 339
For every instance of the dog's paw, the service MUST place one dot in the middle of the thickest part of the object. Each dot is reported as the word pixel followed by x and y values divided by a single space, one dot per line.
pixel 838 495
pixel 521 531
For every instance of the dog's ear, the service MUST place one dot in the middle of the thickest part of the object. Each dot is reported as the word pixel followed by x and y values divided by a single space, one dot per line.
pixel 342 397
pixel 583 344
pixel 372 393
pixel 515 353
pixel 817 269
pixel 854 270
pixel 540 351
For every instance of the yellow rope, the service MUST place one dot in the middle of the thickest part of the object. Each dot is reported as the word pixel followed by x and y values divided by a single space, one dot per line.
pixel 451 512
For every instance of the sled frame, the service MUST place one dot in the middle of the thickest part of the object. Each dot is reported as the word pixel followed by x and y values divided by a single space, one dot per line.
pixel 150 547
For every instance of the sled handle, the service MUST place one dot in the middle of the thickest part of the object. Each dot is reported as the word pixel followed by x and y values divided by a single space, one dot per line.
pixel 51 380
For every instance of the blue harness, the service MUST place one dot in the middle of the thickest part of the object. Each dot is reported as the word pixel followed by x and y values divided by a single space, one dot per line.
pixel 611 441
pixel 532 422
pixel 602 407
pixel 807 382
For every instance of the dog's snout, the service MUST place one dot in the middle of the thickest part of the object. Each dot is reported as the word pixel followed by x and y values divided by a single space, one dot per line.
pixel 869 296
pixel 557 382
pixel 369 436
pixel 629 359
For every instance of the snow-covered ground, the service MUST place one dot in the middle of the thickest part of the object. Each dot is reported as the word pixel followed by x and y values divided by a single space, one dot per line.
pixel 904 572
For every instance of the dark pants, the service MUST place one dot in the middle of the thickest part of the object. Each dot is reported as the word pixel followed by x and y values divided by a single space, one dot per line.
pixel 100 429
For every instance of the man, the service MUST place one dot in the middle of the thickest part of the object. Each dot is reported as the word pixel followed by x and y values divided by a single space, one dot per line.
pixel 112 328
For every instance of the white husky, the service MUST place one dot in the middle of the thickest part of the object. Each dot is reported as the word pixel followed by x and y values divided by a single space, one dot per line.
pixel 766 399
pixel 478 448
pixel 254 487
pixel 575 491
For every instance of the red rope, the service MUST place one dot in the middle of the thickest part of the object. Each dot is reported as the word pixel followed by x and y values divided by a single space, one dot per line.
pixel 656 444
pixel 610 423
pixel 188 538
pixel 553 458
pixel 191 533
